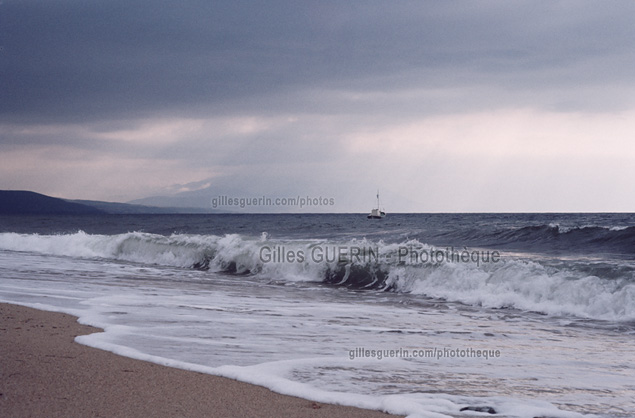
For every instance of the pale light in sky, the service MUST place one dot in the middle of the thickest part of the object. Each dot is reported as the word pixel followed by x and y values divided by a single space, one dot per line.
pixel 443 106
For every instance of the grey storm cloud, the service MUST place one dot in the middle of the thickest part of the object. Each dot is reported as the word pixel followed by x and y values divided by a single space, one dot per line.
pixel 78 60
pixel 444 105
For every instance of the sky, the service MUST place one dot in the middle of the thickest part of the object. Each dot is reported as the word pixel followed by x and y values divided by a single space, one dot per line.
pixel 442 106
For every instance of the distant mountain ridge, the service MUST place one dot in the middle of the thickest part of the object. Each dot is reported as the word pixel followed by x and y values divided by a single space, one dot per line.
pixel 181 200
pixel 23 202
pixel 133 208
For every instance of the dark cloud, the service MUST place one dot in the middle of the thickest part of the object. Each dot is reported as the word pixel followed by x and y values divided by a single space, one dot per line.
pixel 78 60
pixel 119 99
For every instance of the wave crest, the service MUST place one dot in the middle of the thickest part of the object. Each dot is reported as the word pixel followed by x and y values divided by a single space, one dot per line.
pixel 587 290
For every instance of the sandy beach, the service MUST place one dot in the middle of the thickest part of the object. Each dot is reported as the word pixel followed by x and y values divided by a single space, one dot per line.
pixel 43 372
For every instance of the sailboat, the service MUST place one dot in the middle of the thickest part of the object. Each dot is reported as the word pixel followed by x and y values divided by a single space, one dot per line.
pixel 376 213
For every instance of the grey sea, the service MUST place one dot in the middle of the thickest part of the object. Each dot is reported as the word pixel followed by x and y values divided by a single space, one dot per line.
pixel 425 315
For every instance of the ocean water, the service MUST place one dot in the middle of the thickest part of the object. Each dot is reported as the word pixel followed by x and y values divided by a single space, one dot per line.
pixel 532 315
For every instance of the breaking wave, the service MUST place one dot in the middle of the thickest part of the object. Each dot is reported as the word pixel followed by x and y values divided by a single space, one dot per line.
pixel 588 289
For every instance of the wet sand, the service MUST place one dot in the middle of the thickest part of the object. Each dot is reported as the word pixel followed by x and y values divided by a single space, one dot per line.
pixel 44 373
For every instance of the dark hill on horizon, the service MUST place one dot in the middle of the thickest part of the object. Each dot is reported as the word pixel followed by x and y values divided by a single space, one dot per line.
pixel 22 202
pixel 136 209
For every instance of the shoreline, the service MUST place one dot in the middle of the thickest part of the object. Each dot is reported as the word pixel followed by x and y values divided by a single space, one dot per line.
pixel 44 372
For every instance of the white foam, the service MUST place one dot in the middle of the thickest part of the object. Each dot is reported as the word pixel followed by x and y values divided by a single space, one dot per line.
pixel 296 339
pixel 177 250
pixel 511 282
pixel 523 285
pixel 273 376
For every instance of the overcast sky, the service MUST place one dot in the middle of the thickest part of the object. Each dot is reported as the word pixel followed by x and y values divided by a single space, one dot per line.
pixel 445 106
